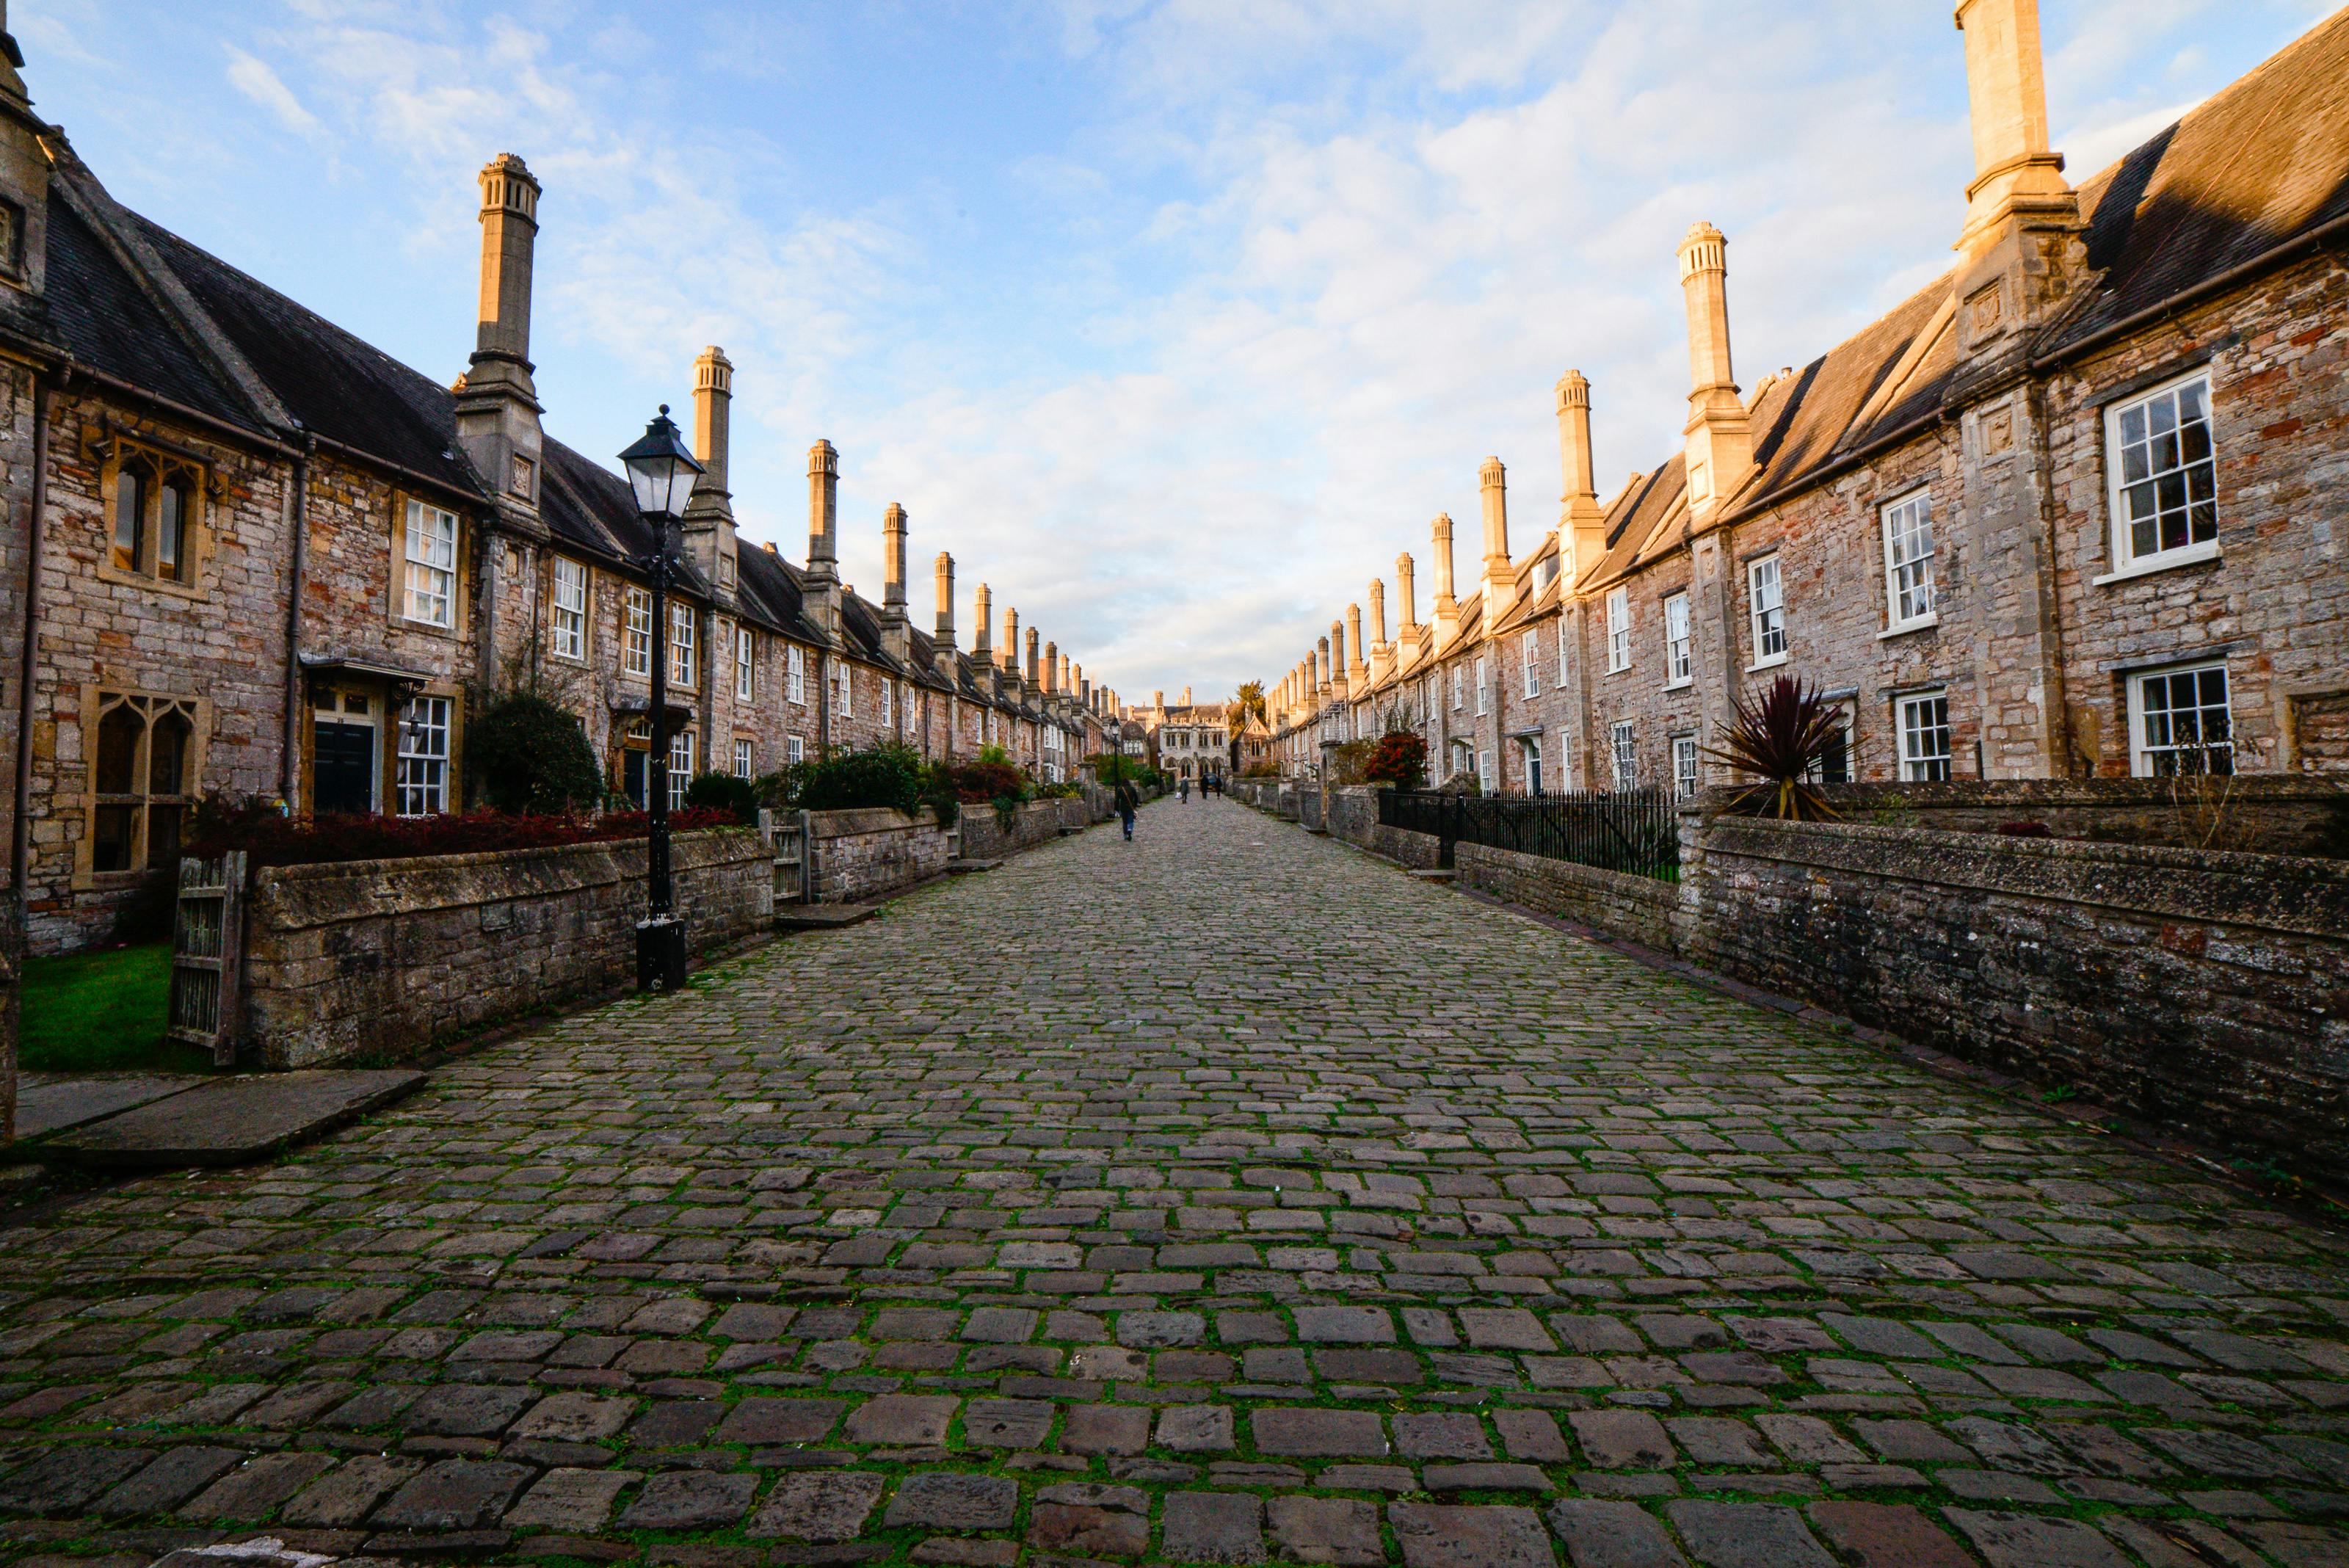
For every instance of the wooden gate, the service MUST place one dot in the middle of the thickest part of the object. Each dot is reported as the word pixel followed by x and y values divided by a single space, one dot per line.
pixel 787 837
pixel 208 955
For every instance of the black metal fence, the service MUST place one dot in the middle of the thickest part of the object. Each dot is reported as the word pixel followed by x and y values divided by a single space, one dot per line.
pixel 1633 830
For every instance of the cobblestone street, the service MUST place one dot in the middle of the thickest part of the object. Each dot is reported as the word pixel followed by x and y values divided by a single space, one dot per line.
pixel 1225 1197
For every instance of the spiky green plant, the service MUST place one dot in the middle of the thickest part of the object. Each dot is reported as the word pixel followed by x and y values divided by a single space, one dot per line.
pixel 1782 739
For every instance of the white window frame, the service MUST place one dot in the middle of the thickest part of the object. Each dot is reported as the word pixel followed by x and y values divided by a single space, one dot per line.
pixel 420 786
pixel 1485 780
pixel 1907 524
pixel 1687 774
pixel 1623 753
pixel 1677 665
pixel 1459 687
pixel 1619 630
pixel 1767 621
pixel 2145 753
pixel 794 750
pixel 745 755
pixel 1561 648
pixel 843 688
pixel 1484 685
pixel 684 623
pixel 636 632
pixel 888 701
pixel 1529 654
pixel 681 767
pixel 428 594
pixel 567 611
pixel 1530 751
pixel 746 663
pixel 795 674
pixel 1918 719
pixel 2133 470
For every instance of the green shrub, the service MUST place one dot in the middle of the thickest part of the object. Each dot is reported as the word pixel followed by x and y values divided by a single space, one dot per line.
pixel 726 792
pixel 525 755
pixel 1400 758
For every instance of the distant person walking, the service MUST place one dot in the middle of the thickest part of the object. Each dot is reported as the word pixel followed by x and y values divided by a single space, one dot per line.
pixel 1183 791
pixel 1126 801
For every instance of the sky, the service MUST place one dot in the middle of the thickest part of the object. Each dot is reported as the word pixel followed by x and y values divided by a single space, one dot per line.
pixel 1174 320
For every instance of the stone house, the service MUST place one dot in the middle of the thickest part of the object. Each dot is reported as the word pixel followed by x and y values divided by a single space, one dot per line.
pixel 2073 510
pixel 250 555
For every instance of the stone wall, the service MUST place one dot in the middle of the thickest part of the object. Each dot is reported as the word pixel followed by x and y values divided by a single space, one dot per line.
pixel 2205 991
pixel 865 854
pixel 986 838
pixel 1638 909
pixel 1350 812
pixel 2276 814
pixel 384 959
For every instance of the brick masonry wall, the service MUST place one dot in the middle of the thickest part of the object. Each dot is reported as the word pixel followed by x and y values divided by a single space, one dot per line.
pixel 1639 908
pixel 2209 993
pixel 387 958
pixel 862 855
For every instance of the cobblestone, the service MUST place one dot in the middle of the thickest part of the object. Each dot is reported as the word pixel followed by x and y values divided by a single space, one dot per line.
pixel 1218 1196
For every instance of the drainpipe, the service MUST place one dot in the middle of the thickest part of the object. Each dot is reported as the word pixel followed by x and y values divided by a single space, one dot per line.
pixel 21 835
pixel 289 773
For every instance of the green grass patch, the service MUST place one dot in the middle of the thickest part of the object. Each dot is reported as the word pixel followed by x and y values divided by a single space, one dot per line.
pixel 95 1012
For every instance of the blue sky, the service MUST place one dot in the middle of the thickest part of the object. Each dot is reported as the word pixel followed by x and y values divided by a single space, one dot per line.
pixel 1175 321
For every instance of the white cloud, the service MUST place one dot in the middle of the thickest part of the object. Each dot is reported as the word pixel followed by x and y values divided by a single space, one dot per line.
pixel 257 81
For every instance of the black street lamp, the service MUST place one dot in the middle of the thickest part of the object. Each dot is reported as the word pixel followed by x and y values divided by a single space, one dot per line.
pixel 660 471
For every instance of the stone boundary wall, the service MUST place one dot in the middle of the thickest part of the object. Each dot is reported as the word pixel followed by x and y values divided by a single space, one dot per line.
pixel 864 854
pixel 2275 814
pixel 1637 909
pixel 2204 991
pixel 387 958
pixel 984 839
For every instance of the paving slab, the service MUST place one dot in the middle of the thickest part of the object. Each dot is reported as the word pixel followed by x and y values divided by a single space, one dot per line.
pixel 823 917
pixel 235 1121
pixel 48 1104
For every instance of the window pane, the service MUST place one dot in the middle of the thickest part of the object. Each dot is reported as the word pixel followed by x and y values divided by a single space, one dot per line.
pixel 171 529
pixel 164 836
pixel 167 756
pixel 423 785
pixel 117 750
pixel 129 517
pixel 111 831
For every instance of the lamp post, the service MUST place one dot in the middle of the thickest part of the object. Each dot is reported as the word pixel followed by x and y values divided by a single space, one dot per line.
pixel 660 471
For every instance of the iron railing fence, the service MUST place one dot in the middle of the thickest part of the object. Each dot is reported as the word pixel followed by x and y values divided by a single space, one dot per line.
pixel 1633 830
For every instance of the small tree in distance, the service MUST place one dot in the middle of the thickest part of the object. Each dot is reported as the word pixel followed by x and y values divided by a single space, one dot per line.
pixel 1399 760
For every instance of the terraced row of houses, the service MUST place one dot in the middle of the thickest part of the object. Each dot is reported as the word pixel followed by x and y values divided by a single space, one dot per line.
pixel 248 554
pixel 2077 508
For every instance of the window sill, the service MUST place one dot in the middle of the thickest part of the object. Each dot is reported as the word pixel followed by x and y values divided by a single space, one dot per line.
pixel 192 589
pixel 1923 623
pixel 1619 669
pixel 1682 684
pixel 1772 662
pixel 2190 555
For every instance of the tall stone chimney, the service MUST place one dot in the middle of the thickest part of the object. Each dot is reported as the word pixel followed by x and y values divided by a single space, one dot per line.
pixel 942 634
pixel 2022 241
pixel 1357 672
pixel 896 624
pixel 1186 696
pixel 821 600
pixel 1011 654
pixel 1581 524
pixel 497 411
pixel 708 527
pixel 982 617
pixel 1068 676
pixel 1406 600
pixel 1052 667
pixel 1719 438
pixel 1379 649
pixel 1447 608
pixel 1500 572
pixel 24 168
pixel 1034 673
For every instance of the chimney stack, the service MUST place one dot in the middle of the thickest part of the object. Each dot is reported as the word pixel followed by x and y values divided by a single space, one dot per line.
pixel 1582 526
pixel 1500 572
pixel 497 407
pixel 1033 672
pixel 896 624
pixel 1447 608
pixel 942 638
pixel 1719 438
pixel 1186 696
pixel 1406 600
pixel 1010 641
pixel 1068 676
pixel 1378 617
pixel 1052 666
pixel 2006 93
pixel 982 616
pixel 1357 674
pixel 822 596
pixel 709 526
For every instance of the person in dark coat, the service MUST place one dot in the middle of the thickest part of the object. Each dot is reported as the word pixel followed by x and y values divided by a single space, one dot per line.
pixel 1126 801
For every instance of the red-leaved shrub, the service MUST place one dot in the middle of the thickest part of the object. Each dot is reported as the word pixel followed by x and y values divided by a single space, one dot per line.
pixel 270 839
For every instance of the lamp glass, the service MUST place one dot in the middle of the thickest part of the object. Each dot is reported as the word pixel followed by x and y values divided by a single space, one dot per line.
pixel 660 468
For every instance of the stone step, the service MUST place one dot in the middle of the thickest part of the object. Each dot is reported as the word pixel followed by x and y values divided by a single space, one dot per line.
pixel 233 1121
pixel 969 868
pixel 823 917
